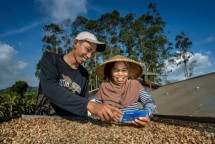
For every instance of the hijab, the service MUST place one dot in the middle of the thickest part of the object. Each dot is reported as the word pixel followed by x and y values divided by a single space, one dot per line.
pixel 119 96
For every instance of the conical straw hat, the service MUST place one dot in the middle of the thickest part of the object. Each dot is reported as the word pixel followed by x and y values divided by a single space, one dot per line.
pixel 135 67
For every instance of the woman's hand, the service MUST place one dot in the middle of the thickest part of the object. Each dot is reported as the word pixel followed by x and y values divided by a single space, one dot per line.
pixel 141 121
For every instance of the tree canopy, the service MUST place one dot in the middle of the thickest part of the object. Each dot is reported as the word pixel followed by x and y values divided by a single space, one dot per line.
pixel 141 38
pixel 19 87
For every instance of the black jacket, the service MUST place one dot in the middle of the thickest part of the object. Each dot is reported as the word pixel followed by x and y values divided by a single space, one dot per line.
pixel 63 91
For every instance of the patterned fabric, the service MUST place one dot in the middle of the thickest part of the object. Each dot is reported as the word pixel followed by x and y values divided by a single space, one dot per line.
pixel 144 98
pixel 44 106
pixel 119 96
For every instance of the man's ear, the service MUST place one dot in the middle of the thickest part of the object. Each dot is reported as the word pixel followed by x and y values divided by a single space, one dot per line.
pixel 75 43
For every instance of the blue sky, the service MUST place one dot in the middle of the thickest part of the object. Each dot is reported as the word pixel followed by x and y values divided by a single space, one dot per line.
pixel 22 21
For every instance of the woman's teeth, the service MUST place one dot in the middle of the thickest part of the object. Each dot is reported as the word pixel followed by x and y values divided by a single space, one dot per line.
pixel 120 79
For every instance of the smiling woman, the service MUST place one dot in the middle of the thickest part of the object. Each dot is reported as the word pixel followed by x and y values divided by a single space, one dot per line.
pixel 121 89
pixel 119 72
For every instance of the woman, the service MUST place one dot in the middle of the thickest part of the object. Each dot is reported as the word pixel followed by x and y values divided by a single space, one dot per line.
pixel 121 89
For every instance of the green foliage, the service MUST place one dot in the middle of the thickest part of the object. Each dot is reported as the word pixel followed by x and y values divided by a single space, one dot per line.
pixel 19 87
pixel 37 73
pixel 11 104
pixel 183 44
pixel 141 38
pixel 16 100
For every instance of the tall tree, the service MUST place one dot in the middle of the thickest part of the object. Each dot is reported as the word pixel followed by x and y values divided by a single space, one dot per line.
pixel 145 41
pixel 65 35
pixel 156 47
pixel 111 24
pixel 183 44
pixel 140 38
pixel 53 38
pixel 56 40
pixel 127 36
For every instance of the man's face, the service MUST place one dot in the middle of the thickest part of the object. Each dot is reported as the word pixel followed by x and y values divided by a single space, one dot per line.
pixel 119 73
pixel 84 50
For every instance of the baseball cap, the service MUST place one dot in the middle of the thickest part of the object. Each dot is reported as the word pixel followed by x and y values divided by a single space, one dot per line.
pixel 87 36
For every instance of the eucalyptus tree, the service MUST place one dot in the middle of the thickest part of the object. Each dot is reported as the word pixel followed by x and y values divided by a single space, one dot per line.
pixel 156 47
pixel 56 40
pixel 52 39
pixel 183 44
pixel 127 36
pixel 78 25
pixel 66 39
pixel 140 38
pixel 111 24
pixel 145 41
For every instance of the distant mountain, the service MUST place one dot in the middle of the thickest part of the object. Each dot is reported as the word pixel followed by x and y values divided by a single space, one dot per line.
pixel 30 88
pixel 3 90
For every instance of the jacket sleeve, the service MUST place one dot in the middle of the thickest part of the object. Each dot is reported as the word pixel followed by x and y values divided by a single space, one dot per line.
pixel 147 102
pixel 57 94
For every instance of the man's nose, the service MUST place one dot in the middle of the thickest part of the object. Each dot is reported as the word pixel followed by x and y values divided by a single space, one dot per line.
pixel 89 55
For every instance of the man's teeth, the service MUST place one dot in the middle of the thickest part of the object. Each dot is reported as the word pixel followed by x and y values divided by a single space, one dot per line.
pixel 84 59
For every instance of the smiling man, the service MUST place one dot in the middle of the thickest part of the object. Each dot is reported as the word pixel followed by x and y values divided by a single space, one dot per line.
pixel 63 88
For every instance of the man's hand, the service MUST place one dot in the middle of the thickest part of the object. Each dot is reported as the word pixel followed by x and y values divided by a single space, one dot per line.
pixel 117 114
pixel 104 112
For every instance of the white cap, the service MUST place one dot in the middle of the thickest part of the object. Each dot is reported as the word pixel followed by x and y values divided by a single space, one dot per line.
pixel 87 36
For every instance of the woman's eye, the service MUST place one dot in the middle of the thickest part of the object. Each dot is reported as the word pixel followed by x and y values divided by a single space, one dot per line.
pixel 115 70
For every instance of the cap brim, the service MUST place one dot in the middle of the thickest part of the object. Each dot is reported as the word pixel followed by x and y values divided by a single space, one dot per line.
pixel 100 47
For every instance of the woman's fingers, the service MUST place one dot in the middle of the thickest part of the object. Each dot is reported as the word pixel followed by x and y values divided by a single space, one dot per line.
pixel 141 121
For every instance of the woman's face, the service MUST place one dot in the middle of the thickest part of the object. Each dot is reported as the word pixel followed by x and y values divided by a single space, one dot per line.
pixel 119 73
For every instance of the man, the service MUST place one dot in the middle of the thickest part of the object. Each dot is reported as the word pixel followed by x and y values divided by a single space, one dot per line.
pixel 63 88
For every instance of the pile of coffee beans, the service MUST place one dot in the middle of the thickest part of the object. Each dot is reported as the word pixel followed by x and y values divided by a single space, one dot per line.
pixel 52 130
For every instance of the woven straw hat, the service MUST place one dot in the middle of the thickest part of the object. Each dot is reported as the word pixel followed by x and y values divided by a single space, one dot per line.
pixel 136 68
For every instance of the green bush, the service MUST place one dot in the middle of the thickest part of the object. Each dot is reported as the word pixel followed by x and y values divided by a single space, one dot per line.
pixel 12 104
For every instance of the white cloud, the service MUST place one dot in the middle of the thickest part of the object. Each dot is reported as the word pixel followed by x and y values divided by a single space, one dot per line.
pixel 11 68
pixel 21 30
pixel 202 60
pixel 208 52
pixel 58 10
pixel 209 39
pixel 6 52
pixel 200 67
